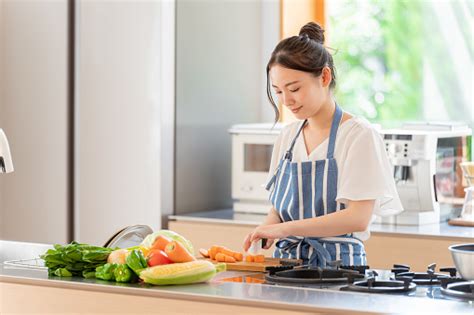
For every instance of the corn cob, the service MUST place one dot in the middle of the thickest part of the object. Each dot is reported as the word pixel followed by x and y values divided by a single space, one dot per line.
pixel 181 273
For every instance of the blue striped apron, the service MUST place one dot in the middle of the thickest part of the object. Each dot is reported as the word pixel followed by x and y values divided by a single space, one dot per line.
pixel 302 190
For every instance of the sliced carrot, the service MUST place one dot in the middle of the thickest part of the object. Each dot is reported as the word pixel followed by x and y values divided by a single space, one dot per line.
pixel 212 252
pixel 220 257
pixel 259 258
pixel 225 258
pixel 249 258
pixel 204 252
pixel 231 253
pixel 239 256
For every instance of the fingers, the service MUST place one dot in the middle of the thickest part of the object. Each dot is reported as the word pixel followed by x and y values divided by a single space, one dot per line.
pixel 247 242
pixel 255 237
pixel 269 243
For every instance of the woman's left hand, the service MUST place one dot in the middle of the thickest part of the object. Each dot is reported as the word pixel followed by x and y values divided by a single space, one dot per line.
pixel 271 231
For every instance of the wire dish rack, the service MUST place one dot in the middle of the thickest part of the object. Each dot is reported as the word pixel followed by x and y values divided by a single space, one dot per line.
pixel 32 263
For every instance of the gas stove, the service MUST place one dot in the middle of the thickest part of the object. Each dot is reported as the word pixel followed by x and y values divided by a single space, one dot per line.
pixel 398 280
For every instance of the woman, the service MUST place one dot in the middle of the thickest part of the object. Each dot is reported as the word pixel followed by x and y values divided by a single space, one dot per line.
pixel 329 172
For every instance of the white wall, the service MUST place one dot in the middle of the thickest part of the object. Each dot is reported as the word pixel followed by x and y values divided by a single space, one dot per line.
pixel 222 51
pixel 118 116
pixel 33 110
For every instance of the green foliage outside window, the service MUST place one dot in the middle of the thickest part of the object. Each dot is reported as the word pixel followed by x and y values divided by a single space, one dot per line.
pixel 393 57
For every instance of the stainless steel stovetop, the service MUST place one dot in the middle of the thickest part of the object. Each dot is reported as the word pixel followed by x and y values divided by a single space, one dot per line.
pixel 433 291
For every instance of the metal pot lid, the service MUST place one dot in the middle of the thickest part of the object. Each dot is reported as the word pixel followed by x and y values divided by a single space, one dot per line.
pixel 129 236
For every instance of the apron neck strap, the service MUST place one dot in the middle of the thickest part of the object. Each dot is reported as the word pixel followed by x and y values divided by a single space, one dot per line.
pixel 289 153
pixel 332 136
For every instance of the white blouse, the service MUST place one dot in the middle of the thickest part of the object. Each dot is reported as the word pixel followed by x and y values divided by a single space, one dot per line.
pixel 364 171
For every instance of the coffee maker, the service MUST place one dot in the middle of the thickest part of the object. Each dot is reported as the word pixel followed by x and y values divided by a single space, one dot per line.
pixel 6 164
pixel 425 159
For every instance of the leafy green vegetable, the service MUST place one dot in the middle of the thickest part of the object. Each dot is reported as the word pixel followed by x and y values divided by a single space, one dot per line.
pixel 62 272
pixel 75 259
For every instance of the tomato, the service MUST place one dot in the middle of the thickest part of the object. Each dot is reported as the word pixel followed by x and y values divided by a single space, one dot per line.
pixel 158 257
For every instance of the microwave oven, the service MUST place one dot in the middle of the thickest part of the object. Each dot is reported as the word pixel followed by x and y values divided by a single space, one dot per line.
pixel 252 146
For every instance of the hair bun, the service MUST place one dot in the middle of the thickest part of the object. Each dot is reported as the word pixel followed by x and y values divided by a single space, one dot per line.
pixel 313 31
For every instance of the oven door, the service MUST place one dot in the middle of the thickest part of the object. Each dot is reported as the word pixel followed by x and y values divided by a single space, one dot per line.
pixel 251 157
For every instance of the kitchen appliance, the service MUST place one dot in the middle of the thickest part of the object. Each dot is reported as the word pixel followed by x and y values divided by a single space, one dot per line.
pixel 463 257
pixel 252 146
pixel 6 163
pixel 426 159
pixel 444 284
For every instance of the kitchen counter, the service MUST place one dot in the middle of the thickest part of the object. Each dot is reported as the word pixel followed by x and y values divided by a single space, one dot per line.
pixel 261 297
pixel 228 216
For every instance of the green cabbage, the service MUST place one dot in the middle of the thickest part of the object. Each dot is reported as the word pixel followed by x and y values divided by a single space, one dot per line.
pixel 150 239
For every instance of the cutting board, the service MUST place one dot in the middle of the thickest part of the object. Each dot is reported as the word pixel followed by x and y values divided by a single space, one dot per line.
pixel 260 267
pixel 461 222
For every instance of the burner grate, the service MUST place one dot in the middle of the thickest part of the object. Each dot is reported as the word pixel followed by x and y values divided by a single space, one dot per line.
pixel 430 277
pixel 312 276
pixel 384 286
pixel 462 290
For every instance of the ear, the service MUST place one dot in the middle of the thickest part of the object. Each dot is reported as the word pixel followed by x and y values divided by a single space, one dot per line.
pixel 326 77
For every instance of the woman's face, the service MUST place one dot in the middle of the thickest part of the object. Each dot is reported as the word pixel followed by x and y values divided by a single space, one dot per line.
pixel 301 92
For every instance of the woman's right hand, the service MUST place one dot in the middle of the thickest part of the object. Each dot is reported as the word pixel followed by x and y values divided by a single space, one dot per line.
pixel 247 243
pixel 272 218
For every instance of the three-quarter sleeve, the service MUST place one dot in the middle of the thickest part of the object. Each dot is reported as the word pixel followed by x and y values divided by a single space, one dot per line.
pixel 365 173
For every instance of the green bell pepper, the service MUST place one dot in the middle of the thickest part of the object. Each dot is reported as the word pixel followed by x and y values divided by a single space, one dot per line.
pixel 136 261
pixel 106 272
pixel 124 274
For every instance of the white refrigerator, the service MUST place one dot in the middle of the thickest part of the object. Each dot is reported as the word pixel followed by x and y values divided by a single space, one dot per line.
pixel 87 102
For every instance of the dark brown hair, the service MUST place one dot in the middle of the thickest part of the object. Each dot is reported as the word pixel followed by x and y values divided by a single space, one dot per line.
pixel 305 52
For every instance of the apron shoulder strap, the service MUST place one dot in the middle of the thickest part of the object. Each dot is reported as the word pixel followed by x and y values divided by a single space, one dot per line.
pixel 332 135
pixel 289 153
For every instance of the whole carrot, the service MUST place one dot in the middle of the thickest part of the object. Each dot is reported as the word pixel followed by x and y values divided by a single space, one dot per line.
pixel 178 253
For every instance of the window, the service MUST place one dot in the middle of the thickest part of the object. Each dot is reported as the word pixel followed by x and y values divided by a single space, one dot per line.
pixel 403 60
